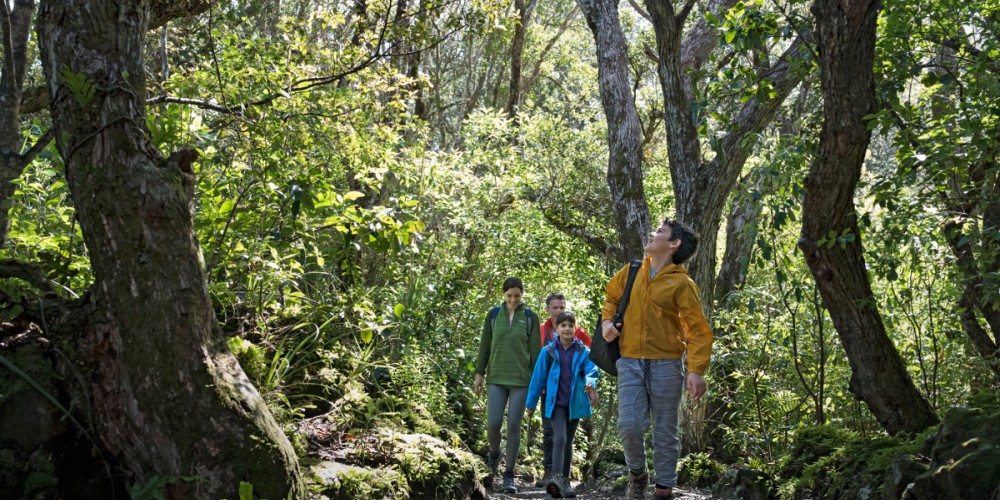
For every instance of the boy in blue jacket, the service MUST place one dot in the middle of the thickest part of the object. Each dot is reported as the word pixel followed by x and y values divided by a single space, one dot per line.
pixel 568 377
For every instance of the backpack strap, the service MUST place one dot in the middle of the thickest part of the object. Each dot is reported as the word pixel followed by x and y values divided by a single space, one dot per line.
pixel 528 314
pixel 493 316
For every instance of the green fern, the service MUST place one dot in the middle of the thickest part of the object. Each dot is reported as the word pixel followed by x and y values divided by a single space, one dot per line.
pixel 81 86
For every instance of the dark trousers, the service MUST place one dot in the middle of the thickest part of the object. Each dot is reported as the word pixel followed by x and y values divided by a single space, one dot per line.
pixel 563 430
pixel 546 443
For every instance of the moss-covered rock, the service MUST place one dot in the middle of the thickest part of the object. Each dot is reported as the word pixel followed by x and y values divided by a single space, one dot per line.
pixel 965 458
pixel 811 444
pixel 858 469
pixel 698 470
pixel 903 471
pixel 412 466
pixel 347 482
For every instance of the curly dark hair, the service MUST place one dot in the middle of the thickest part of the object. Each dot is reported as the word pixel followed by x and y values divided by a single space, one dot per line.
pixel 688 237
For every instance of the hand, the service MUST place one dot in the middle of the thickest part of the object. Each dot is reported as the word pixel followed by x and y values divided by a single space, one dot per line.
pixel 592 393
pixel 478 384
pixel 529 412
pixel 696 385
pixel 608 331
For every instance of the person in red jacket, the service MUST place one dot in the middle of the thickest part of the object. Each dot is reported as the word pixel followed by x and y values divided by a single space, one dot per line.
pixel 554 305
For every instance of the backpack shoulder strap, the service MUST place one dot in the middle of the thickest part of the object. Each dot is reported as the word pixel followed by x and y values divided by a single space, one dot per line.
pixel 493 316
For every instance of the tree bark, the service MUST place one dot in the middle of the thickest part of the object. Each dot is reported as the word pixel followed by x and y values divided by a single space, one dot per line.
pixel 628 195
pixel 524 10
pixel 702 188
pixel 845 31
pixel 15 22
pixel 168 397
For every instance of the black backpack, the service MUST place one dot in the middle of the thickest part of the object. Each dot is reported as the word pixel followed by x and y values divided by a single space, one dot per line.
pixel 605 354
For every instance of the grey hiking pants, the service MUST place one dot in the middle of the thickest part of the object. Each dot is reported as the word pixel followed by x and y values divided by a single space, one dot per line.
pixel 497 399
pixel 650 389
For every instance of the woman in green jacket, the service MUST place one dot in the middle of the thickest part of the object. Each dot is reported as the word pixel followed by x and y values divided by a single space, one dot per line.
pixel 507 354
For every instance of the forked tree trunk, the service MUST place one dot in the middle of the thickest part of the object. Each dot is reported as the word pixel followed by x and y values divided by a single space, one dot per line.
pixel 167 396
pixel 845 32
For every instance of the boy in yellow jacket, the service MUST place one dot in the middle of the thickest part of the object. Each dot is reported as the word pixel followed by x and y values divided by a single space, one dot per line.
pixel 663 321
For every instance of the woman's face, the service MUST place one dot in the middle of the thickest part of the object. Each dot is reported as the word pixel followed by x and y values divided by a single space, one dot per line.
pixel 512 297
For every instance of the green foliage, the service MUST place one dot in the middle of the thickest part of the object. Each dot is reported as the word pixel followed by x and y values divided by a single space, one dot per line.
pixel 857 467
pixel 810 445
pixel 698 470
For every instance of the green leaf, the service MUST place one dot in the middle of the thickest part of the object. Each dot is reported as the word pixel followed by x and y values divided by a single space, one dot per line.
pixel 246 491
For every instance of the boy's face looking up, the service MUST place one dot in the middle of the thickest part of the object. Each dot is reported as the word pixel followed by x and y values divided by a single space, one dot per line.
pixel 661 241
pixel 567 330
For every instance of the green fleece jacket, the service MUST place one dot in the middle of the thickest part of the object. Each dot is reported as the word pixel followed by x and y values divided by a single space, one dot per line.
pixel 507 351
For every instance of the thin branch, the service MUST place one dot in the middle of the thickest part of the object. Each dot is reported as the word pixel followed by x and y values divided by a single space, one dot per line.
pixel 191 102
pixel 596 243
pixel 638 8
pixel 13 268
pixel 39 146
pixel 684 12
pixel 548 47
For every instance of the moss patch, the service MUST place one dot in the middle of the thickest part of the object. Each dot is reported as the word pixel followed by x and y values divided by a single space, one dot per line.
pixel 697 470
pixel 431 467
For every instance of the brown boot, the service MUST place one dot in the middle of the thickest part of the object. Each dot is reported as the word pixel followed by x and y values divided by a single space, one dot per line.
pixel 663 492
pixel 637 486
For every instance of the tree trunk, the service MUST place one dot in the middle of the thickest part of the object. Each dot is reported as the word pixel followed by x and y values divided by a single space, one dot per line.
pixel 701 189
pixel 846 41
pixel 517 55
pixel 624 137
pixel 168 397
pixel 15 22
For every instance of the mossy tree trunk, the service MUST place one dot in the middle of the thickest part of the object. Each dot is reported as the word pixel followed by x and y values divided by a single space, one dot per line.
pixel 167 396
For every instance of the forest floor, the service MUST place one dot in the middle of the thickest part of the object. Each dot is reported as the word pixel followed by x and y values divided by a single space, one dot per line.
pixel 585 492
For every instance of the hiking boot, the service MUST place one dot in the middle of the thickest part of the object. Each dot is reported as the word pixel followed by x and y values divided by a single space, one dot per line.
pixel 544 480
pixel 508 483
pixel 493 461
pixel 559 487
pixel 663 492
pixel 637 486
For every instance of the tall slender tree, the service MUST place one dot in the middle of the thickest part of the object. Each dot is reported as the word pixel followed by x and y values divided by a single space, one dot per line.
pixel 831 238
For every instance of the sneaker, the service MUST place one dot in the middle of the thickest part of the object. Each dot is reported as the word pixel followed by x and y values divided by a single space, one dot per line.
pixel 637 486
pixel 663 492
pixel 544 480
pixel 559 487
pixel 508 483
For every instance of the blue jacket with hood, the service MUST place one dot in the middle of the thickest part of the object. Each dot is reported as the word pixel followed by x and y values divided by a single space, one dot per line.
pixel 546 377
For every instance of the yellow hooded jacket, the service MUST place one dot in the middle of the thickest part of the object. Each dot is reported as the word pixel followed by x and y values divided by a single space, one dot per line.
pixel 664 317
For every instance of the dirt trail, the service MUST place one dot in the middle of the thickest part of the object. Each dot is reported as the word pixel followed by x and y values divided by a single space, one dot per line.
pixel 586 492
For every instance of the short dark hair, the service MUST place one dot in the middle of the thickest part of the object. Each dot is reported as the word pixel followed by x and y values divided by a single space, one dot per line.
pixel 565 316
pixel 688 237
pixel 553 296
pixel 513 282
